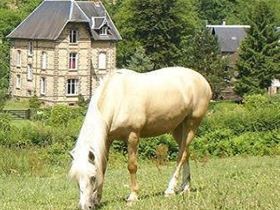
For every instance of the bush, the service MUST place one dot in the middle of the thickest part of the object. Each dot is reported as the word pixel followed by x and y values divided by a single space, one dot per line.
pixel 60 115
pixel 5 122
pixel 148 146
pixel 81 101
pixel 6 129
pixel 34 102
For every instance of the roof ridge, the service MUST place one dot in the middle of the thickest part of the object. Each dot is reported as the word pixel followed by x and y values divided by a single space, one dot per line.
pixel 229 26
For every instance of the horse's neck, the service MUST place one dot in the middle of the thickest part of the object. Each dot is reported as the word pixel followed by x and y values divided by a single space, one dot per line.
pixel 93 136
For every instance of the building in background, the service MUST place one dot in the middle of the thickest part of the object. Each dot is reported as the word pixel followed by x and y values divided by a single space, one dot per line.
pixel 229 39
pixel 62 50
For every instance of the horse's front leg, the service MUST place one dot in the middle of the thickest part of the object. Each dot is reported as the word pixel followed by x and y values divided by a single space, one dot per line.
pixel 132 146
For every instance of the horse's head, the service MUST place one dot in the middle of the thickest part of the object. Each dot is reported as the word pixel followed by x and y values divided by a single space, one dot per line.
pixel 85 172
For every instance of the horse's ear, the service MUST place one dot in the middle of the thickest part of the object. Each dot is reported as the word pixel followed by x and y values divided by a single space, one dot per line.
pixel 91 156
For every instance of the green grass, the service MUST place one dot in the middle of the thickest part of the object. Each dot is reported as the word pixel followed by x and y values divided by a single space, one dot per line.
pixel 231 183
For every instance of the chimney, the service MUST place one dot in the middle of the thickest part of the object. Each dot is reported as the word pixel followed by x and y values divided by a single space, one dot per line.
pixel 224 22
pixel 97 3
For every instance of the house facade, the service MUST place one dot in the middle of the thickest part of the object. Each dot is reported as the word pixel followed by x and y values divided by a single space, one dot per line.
pixel 62 50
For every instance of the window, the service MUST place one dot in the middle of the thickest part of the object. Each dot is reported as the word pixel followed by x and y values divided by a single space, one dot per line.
pixel 43 86
pixel 29 92
pixel 18 58
pixel 73 36
pixel 72 87
pixel 30 48
pixel 102 60
pixel 44 60
pixel 73 61
pixel 18 82
pixel 104 31
pixel 29 72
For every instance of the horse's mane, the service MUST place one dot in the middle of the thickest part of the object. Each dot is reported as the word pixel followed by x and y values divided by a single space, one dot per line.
pixel 92 125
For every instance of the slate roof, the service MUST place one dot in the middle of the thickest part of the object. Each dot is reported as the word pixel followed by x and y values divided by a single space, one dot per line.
pixel 229 36
pixel 49 19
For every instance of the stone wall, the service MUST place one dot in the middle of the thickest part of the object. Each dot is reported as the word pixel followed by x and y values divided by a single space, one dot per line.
pixel 57 72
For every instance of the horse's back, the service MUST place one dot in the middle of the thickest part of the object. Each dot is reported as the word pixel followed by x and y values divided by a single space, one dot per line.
pixel 154 102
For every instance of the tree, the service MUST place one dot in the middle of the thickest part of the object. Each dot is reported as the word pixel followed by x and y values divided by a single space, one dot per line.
pixel 259 58
pixel 140 62
pixel 157 26
pixel 202 54
pixel 215 11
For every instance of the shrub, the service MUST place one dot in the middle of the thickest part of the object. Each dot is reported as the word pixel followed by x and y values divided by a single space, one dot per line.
pixel 60 115
pixel 81 101
pixel 34 102
pixel 148 146
pixel 5 122
pixel 256 101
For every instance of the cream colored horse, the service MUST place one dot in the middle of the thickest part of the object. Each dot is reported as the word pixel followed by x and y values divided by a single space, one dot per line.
pixel 128 106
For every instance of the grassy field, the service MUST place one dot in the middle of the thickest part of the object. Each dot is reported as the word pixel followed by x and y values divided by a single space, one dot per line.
pixel 231 183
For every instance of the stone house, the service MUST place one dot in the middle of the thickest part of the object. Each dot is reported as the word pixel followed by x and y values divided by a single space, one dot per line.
pixel 62 50
pixel 229 39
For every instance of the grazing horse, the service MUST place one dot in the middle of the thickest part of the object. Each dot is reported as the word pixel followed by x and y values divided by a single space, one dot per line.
pixel 129 105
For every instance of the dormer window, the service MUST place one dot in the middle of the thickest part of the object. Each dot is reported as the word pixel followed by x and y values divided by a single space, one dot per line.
pixel 73 36
pixel 104 31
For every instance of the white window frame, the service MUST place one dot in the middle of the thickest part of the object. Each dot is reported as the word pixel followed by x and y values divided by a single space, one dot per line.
pixel 73 58
pixel 104 31
pixel 43 86
pixel 30 48
pixel 29 72
pixel 18 81
pixel 74 36
pixel 102 60
pixel 72 87
pixel 18 58
pixel 44 64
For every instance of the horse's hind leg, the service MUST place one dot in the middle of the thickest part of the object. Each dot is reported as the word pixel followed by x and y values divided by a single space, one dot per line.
pixel 132 145
pixel 183 134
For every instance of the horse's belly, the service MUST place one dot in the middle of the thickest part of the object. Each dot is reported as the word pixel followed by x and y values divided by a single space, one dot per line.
pixel 161 126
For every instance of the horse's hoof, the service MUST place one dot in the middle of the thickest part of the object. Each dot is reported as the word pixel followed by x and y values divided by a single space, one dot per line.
pixel 169 193
pixel 132 198
pixel 185 189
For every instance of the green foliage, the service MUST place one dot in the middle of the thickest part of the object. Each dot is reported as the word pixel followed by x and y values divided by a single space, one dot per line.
pixel 60 115
pixel 3 98
pixel 201 52
pixel 215 11
pixel 139 61
pixel 5 123
pixel 256 101
pixel 34 102
pixel 81 101
pixel 260 52
pixel 157 26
